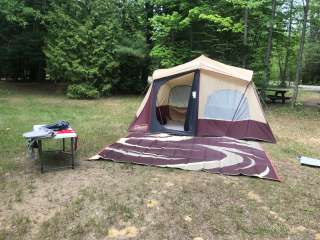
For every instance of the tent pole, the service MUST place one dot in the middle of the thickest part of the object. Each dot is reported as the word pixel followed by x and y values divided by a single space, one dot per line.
pixel 237 109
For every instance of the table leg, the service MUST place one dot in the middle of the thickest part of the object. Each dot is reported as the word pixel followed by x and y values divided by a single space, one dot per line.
pixel 283 98
pixel 72 152
pixel 63 145
pixel 40 155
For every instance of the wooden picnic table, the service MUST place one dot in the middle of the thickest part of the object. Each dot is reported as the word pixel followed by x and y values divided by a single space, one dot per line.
pixel 279 94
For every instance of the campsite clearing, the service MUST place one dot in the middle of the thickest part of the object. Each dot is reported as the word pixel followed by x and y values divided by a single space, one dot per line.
pixel 103 200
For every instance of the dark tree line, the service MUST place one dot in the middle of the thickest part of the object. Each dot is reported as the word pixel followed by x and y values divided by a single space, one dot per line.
pixel 109 46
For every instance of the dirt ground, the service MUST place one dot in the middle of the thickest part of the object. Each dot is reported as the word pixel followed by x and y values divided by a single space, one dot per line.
pixel 105 200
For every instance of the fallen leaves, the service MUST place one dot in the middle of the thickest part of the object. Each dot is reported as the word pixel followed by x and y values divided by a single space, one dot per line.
pixel 187 218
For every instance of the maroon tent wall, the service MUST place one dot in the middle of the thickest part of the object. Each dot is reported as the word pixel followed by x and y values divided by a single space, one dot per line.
pixel 142 122
pixel 245 129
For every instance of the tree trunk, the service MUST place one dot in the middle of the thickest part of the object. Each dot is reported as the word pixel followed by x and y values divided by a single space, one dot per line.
pixel 313 25
pixel 191 37
pixel 286 76
pixel 268 52
pixel 148 40
pixel 245 37
pixel 148 16
pixel 281 70
pixel 300 52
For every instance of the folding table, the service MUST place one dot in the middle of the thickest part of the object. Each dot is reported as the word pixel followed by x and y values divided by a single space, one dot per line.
pixel 63 135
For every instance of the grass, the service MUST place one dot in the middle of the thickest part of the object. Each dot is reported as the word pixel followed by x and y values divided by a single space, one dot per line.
pixel 97 122
pixel 106 200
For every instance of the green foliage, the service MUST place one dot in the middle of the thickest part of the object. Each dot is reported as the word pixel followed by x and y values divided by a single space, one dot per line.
pixel 222 23
pixel 251 4
pixel 167 55
pixel 132 46
pixel 165 25
pixel 114 45
pixel 80 41
pixel 17 12
pixel 21 39
pixel 82 91
pixel 182 30
pixel 311 71
pixel 88 43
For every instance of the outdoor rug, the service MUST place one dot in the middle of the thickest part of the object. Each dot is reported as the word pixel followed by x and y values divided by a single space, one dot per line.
pixel 223 155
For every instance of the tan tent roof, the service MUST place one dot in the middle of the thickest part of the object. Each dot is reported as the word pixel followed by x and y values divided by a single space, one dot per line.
pixel 208 64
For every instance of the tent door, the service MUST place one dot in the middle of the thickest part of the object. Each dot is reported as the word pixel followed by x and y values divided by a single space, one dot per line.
pixel 192 112
pixel 183 99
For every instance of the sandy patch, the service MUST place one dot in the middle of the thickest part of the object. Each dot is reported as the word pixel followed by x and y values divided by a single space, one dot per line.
pixel 127 232
pixel 187 218
pixel 50 193
pixel 152 203
pixel 253 196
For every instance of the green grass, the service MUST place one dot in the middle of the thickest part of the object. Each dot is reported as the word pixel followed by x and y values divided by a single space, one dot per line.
pixel 97 122
pixel 87 202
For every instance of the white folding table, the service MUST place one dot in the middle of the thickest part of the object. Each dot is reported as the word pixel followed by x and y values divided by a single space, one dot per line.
pixel 63 135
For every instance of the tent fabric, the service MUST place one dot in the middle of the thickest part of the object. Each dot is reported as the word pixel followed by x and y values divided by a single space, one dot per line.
pixel 142 120
pixel 223 155
pixel 179 96
pixel 210 84
pixel 227 105
pixel 222 102
pixel 247 129
pixel 163 95
pixel 208 64
pixel 197 116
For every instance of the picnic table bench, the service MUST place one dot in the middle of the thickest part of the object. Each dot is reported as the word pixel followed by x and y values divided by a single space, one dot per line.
pixel 278 94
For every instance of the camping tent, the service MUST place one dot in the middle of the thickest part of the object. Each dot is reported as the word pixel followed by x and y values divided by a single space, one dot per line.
pixel 203 97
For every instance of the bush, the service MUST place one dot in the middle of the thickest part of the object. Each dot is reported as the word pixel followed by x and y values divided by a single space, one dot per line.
pixel 82 91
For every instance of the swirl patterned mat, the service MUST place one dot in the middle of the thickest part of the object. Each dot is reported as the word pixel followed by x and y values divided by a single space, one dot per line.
pixel 223 155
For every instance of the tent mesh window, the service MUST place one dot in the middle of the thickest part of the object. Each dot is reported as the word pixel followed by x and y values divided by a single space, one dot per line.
pixel 178 102
pixel 228 105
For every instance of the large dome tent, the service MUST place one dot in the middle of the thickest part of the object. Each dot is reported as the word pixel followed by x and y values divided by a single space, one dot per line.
pixel 198 116
pixel 203 97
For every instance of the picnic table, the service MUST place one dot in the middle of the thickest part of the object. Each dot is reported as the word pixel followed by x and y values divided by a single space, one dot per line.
pixel 63 135
pixel 277 94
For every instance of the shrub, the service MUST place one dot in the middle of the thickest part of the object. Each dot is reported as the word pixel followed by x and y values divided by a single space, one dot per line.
pixel 82 91
pixel 106 90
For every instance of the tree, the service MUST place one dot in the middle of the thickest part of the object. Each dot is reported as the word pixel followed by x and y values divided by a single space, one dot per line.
pixel 286 76
pixel 300 51
pixel 21 39
pixel 97 42
pixel 311 67
pixel 245 36
pixel 183 31
pixel 148 6
pixel 111 46
pixel 268 50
